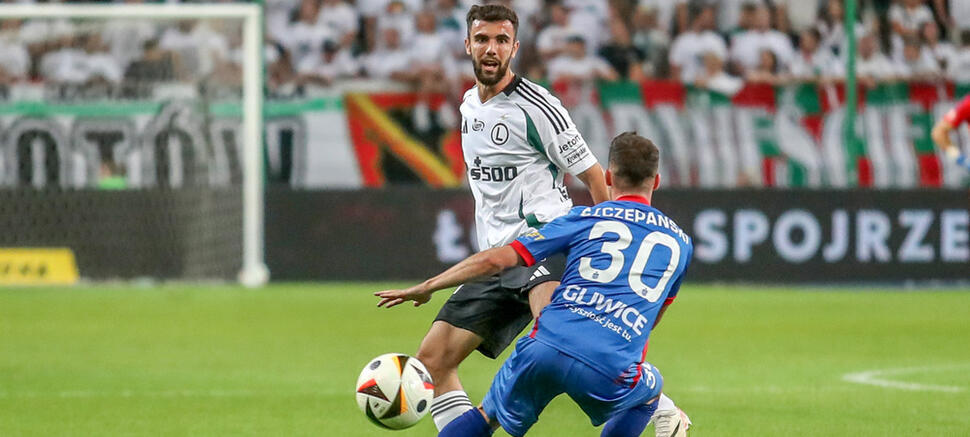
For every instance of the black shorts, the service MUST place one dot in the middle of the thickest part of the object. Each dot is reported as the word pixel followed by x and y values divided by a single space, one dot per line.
pixel 497 309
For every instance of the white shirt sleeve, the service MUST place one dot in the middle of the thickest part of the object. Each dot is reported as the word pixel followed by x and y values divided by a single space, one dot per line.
pixel 562 143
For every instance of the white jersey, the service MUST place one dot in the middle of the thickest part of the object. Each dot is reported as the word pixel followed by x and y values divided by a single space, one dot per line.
pixel 517 147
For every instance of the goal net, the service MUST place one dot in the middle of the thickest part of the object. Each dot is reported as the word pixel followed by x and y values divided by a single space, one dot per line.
pixel 131 136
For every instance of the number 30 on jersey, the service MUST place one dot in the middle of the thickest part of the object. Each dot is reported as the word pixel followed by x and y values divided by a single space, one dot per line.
pixel 617 260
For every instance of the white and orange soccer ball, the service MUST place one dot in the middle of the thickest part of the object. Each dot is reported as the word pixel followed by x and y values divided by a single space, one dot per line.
pixel 394 391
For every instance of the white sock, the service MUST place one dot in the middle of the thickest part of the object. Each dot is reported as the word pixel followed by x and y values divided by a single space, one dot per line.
pixel 448 407
pixel 665 403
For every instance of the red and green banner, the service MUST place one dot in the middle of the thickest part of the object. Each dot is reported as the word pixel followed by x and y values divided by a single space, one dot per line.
pixel 762 136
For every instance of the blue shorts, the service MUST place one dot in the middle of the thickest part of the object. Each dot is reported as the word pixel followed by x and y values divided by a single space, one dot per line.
pixel 537 373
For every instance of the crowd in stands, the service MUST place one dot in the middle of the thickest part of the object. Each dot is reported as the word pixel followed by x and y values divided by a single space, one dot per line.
pixel 712 43
pixel 718 44
pixel 122 54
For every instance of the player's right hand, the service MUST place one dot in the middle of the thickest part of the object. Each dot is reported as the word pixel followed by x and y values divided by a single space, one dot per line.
pixel 391 298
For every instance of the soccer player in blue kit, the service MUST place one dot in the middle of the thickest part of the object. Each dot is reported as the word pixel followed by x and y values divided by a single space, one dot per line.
pixel 624 264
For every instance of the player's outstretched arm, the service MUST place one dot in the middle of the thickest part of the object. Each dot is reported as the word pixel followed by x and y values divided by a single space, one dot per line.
pixel 482 264
pixel 595 182
pixel 941 135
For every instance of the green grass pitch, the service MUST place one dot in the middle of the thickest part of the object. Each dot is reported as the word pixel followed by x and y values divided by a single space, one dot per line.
pixel 184 360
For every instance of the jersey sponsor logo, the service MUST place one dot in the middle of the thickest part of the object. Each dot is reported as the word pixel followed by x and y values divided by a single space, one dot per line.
pixel 576 156
pixel 611 314
pixel 492 174
pixel 478 126
pixel 464 126
pixel 500 134
pixel 565 147
pixel 534 235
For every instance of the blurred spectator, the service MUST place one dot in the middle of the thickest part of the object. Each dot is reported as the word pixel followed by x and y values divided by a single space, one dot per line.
pixel 155 65
pixel 429 50
pixel 14 59
pixel 279 68
pixel 64 63
pixel 227 76
pixel 432 67
pixel 832 28
pixel 713 77
pixel 333 62
pixel 199 47
pixel 747 47
pixel 126 37
pixel 575 66
pixel 905 20
pixel 451 25
pixel 767 71
pixel 956 16
pixel 278 14
pixel 391 60
pixel 672 15
pixel 735 14
pixel 304 38
pixel 650 41
pixel 745 19
pixel 399 17
pixel 872 66
pixel 917 63
pixel 41 36
pixel 958 69
pixel 100 65
pixel 551 40
pixel 588 18
pixel 342 19
pixel 941 51
pixel 687 49
pixel 812 62
pixel 620 53
pixel 795 16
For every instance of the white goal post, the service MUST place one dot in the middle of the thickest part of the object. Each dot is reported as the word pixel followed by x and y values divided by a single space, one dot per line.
pixel 254 271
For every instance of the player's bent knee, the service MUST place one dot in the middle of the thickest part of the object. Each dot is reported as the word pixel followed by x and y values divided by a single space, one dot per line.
pixel 445 347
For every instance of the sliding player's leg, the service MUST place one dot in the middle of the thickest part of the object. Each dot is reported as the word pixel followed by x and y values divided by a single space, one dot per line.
pixel 631 422
pixel 525 384
pixel 625 405
pixel 670 421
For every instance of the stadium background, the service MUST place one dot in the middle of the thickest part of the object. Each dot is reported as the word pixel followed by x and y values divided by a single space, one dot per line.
pixel 364 180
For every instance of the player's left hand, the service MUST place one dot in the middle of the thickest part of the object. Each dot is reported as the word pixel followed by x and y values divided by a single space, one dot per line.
pixel 391 298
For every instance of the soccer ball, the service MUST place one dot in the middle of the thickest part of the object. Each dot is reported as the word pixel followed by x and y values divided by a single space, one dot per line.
pixel 394 391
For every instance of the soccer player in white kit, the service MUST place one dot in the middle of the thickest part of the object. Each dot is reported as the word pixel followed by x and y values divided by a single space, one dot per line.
pixel 518 144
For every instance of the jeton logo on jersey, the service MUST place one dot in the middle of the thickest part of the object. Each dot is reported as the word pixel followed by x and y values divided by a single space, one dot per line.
pixel 500 134
pixel 564 147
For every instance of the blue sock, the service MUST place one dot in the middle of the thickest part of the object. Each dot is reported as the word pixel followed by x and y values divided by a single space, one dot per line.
pixel 469 424
pixel 630 423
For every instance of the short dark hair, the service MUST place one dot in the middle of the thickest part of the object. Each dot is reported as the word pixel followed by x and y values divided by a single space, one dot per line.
pixel 633 159
pixel 492 13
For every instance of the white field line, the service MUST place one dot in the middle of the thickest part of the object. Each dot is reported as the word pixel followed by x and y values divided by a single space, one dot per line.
pixel 85 394
pixel 880 378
